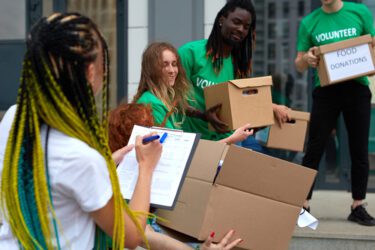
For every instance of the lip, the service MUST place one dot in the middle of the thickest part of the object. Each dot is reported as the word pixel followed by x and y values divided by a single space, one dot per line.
pixel 236 37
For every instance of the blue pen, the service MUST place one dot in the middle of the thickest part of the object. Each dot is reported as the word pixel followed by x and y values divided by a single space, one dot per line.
pixel 150 139
pixel 218 170
pixel 163 137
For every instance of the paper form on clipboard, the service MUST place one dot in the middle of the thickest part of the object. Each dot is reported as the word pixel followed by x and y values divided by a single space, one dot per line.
pixel 170 172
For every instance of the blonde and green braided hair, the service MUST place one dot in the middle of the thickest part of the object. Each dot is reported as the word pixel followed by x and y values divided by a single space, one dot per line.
pixel 54 91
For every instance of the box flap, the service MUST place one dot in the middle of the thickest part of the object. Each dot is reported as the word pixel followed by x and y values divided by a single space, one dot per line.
pixel 265 176
pixel 192 201
pixel 206 159
pixel 262 223
pixel 299 115
pixel 252 82
pixel 343 44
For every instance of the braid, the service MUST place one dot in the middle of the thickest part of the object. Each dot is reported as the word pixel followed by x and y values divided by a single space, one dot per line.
pixel 54 91
pixel 241 55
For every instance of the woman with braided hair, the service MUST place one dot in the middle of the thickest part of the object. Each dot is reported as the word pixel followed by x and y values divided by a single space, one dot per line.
pixel 59 187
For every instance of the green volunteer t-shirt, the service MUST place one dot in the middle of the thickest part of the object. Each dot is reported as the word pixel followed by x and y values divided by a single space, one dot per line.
pixel 159 111
pixel 200 72
pixel 319 28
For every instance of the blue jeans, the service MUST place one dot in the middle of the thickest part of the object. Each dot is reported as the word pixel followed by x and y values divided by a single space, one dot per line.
pixel 253 144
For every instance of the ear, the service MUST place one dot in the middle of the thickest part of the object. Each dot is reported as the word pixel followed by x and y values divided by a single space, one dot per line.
pixel 221 20
pixel 90 73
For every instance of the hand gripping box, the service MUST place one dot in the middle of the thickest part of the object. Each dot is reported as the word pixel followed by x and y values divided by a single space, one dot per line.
pixel 257 195
pixel 243 101
pixel 345 60
pixel 290 136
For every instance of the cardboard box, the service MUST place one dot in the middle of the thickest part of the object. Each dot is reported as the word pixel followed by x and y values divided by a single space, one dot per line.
pixel 291 136
pixel 257 195
pixel 243 101
pixel 346 60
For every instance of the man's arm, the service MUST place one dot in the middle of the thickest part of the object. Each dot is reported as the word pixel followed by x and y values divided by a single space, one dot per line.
pixel 306 59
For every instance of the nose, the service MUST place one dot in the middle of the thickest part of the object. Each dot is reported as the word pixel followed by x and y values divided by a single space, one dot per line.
pixel 170 68
pixel 241 28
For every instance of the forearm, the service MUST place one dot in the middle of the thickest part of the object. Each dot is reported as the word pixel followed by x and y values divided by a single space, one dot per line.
pixel 193 112
pixel 140 201
pixel 160 241
pixel 301 62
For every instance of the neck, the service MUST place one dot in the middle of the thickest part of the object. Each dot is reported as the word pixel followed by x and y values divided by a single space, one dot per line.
pixel 227 49
pixel 333 7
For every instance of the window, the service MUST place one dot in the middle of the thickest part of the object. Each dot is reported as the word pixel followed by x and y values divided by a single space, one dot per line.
pixel 301 8
pixel 271 10
pixel 271 51
pixel 285 9
pixel 271 30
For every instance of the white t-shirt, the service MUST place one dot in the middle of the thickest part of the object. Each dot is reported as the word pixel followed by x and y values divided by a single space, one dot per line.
pixel 79 184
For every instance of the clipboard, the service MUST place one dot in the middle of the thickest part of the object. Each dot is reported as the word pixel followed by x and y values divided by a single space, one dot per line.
pixel 169 173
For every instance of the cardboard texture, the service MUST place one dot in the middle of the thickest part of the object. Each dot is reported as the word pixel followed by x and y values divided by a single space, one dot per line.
pixel 345 60
pixel 257 195
pixel 243 101
pixel 291 136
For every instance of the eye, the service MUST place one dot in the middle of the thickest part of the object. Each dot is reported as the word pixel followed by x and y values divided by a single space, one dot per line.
pixel 236 21
pixel 174 64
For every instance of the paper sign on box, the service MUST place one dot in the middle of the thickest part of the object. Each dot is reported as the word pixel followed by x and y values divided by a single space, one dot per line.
pixel 346 60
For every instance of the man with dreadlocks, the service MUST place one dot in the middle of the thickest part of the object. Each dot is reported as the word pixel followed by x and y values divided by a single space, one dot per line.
pixel 226 55
pixel 59 187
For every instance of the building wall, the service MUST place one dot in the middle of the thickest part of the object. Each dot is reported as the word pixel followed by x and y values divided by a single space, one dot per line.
pixel 138 40
pixel 138 31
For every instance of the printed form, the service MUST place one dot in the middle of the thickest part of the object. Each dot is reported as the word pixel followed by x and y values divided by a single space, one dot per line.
pixel 169 174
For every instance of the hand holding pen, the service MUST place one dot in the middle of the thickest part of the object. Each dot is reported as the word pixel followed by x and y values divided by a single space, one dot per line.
pixel 155 137
pixel 148 154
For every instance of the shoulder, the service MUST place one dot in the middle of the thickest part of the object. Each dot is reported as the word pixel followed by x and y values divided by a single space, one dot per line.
pixel 356 8
pixel 194 45
pixel 312 16
pixel 149 98
pixel 73 152
pixel 5 127
pixel 8 117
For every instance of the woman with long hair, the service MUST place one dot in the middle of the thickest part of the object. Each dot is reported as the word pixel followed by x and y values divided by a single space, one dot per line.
pixel 164 86
pixel 59 187
pixel 121 121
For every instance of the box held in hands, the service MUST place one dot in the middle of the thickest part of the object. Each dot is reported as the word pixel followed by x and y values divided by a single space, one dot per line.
pixel 243 101
pixel 257 195
pixel 290 136
pixel 346 60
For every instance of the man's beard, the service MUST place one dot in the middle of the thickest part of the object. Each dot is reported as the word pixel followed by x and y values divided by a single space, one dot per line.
pixel 232 43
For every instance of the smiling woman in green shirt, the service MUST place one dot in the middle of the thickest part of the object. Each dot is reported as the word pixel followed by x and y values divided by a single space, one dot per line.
pixel 164 86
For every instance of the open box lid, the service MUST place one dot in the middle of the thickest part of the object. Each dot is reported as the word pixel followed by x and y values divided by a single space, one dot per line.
pixel 343 44
pixel 299 115
pixel 206 160
pixel 265 176
pixel 252 82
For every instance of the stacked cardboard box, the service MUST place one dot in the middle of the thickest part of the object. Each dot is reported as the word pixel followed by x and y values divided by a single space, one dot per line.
pixel 346 60
pixel 243 101
pixel 290 136
pixel 257 195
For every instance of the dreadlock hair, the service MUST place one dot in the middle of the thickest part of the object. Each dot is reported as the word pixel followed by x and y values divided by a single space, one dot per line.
pixel 153 80
pixel 54 91
pixel 242 54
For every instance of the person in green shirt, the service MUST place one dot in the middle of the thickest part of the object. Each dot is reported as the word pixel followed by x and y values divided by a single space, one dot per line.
pixel 336 21
pixel 120 123
pixel 164 86
pixel 226 55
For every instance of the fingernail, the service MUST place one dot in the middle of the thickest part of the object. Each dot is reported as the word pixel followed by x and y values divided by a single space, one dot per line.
pixel 241 241
pixel 212 234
